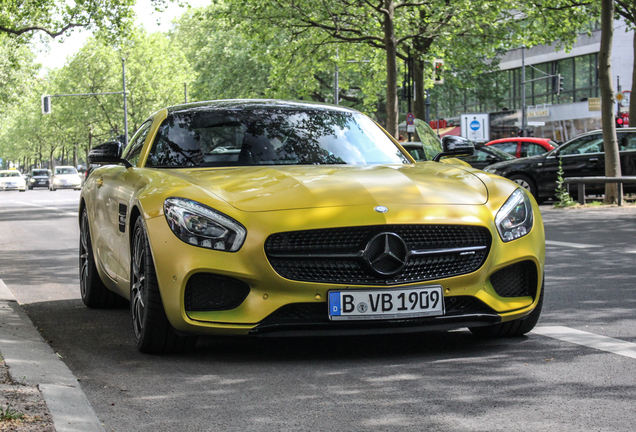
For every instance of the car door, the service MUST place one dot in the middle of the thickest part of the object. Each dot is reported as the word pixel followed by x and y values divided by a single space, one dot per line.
pixel 528 149
pixel 127 184
pixel 510 147
pixel 581 157
pixel 627 151
pixel 106 219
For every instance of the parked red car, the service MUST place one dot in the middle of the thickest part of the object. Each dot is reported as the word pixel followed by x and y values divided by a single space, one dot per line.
pixel 524 146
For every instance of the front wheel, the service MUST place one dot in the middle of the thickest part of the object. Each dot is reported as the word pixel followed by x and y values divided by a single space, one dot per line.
pixel 517 327
pixel 152 331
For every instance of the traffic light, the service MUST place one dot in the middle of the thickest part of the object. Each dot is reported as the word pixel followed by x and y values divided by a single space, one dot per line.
pixel 559 84
pixel 438 67
pixel 619 122
pixel 46 104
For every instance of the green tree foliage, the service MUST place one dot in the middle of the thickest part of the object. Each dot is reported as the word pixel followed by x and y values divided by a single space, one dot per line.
pixel 398 28
pixel 233 57
pixel 56 17
pixel 155 69
pixel 16 69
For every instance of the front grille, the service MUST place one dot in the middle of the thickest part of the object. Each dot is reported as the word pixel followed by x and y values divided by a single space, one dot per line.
pixel 210 292
pixel 316 313
pixel 337 255
pixel 516 280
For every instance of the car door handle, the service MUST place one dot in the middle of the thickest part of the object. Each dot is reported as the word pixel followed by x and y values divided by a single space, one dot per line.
pixel 99 182
pixel 593 159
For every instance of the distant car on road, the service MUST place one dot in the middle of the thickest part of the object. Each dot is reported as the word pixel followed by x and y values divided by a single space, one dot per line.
pixel 583 156
pixel 12 180
pixel 65 177
pixel 38 178
pixel 524 146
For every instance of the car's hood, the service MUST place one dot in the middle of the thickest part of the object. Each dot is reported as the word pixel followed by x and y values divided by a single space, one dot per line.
pixel 67 176
pixel 293 187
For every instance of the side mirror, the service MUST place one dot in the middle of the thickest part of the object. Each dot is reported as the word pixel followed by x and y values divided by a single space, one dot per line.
pixel 108 153
pixel 455 146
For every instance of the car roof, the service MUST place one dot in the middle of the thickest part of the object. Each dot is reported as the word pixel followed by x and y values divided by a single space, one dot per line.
pixel 253 104
pixel 529 139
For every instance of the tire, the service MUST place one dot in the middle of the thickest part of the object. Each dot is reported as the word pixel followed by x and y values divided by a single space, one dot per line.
pixel 525 182
pixel 514 328
pixel 152 331
pixel 94 293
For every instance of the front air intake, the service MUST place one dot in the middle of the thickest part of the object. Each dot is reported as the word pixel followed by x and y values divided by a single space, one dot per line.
pixel 210 292
pixel 516 280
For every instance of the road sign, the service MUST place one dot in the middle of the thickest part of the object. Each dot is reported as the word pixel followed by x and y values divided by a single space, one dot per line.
pixel 625 99
pixel 536 123
pixel 410 118
pixel 594 104
pixel 475 127
pixel 619 96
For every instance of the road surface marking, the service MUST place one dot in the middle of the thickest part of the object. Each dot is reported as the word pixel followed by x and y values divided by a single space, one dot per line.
pixel 590 340
pixel 572 245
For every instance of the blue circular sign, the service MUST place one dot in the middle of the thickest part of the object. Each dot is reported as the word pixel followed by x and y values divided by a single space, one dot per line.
pixel 474 125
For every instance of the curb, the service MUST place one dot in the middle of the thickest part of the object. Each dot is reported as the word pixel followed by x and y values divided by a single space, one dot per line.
pixel 32 361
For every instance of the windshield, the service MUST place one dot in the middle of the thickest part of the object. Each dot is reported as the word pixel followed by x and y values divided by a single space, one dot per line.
pixel 502 154
pixel 275 136
pixel 10 174
pixel 40 173
pixel 65 170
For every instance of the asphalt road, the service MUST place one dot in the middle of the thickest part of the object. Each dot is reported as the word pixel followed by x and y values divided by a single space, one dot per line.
pixel 435 381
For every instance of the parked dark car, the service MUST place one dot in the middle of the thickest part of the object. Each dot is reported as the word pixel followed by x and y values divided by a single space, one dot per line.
pixel 38 177
pixel 583 156
pixel 482 157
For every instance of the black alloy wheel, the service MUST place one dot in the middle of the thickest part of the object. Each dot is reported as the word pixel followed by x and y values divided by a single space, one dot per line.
pixel 152 331
pixel 94 292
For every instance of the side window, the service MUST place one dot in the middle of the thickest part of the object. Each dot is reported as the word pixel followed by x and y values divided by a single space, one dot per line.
pixel 587 144
pixel 626 141
pixel 131 154
pixel 510 148
pixel 531 149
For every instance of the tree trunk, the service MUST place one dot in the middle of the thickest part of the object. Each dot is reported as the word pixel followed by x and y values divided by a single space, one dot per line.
pixel 608 102
pixel 390 42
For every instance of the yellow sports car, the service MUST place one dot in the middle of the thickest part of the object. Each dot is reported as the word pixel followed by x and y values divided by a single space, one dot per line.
pixel 259 217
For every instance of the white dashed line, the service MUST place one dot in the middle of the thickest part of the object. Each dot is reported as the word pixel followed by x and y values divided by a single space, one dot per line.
pixel 572 245
pixel 589 340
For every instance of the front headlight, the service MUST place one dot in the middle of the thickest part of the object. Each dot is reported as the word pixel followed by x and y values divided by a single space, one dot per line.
pixel 32 180
pixel 199 225
pixel 56 181
pixel 514 219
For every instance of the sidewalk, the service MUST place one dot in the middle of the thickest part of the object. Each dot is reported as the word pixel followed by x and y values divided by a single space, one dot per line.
pixel 31 361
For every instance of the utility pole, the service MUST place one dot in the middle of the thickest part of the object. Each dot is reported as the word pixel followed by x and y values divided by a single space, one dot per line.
pixel 523 91
pixel 123 74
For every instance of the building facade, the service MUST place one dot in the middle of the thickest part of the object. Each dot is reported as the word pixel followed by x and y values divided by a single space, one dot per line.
pixel 550 113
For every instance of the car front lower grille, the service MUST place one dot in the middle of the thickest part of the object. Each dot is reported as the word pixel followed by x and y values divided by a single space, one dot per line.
pixel 316 313
pixel 378 255
pixel 516 280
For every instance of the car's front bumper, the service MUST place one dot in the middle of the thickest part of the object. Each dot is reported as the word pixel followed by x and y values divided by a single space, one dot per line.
pixel 263 311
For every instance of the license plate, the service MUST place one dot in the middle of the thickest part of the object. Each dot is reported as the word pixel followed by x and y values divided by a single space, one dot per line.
pixel 386 303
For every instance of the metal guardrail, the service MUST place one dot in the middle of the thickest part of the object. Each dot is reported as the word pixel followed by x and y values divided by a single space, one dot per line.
pixel 582 181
